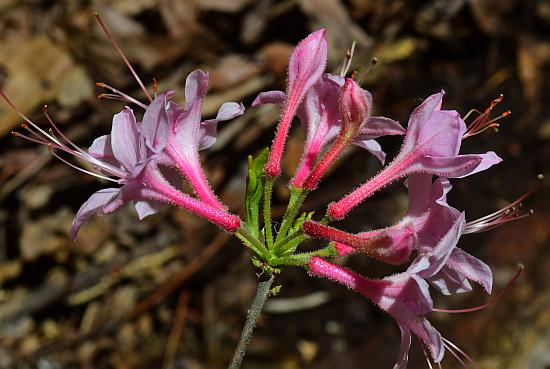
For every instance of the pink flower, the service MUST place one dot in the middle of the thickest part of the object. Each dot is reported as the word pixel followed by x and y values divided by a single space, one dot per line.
pixel 431 146
pixel 321 119
pixel 129 157
pixel 132 152
pixel 404 296
pixel 189 134
pixel 307 63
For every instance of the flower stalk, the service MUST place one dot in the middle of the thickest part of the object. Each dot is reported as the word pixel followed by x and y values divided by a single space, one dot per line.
pixel 262 293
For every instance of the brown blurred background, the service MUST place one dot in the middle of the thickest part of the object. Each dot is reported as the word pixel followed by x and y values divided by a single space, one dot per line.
pixel 171 291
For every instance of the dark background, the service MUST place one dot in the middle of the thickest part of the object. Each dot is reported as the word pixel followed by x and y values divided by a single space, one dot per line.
pixel 171 291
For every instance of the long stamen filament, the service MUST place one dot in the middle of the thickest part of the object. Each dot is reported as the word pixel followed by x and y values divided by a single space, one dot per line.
pixel 455 354
pixel 488 304
pixel 121 53
pixel 79 168
pixel 346 64
pixel 118 95
pixel 507 214
pixel 449 344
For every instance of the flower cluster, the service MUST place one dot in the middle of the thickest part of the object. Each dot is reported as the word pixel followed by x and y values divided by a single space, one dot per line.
pixel 335 112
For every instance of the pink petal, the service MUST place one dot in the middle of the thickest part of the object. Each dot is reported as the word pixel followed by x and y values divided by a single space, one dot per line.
pixel 208 129
pixel 307 62
pixel 448 167
pixel 155 125
pixel 92 205
pixel 449 282
pixel 196 85
pixel 145 208
pixel 487 160
pixel 472 268
pixel 125 140
pixel 420 194
pixel 269 97
pixel 420 117
pixel 373 147
pixel 101 148
pixel 442 251
pixel 380 126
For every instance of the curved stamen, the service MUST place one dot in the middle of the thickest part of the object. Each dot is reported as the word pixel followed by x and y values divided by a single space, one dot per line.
pixel 346 64
pixel 50 148
pixel 24 117
pixel 79 152
pixel 455 354
pixel 119 50
pixel 488 304
pixel 118 95
pixel 507 214
pixel 450 345
pixel 482 122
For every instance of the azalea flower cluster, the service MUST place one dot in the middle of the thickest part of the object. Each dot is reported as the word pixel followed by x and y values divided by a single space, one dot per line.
pixel 335 112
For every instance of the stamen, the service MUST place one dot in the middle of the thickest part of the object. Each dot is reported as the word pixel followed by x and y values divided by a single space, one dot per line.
pixel 119 95
pixel 155 86
pixel 52 123
pixel 507 214
pixel 455 355
pixel 79 152
pixel 482 122
pixel 347 60
pixel 26 127
pixel 24 117
pixel 450 345
pixel 488 304
pixel 51 149
pixel 119 50
pixel 19 135
pixel 364 73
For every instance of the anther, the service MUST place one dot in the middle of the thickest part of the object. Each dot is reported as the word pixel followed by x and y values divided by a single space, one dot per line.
pixel 24 126
pixel 100 84
pixel 155 86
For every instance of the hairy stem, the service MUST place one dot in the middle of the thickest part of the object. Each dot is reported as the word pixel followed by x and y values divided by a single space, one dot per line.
pixel 268 189
pixel 258 303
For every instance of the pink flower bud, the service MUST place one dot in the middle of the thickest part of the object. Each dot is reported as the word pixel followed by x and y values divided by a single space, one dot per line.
pixel 355 108
pixel 307 63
